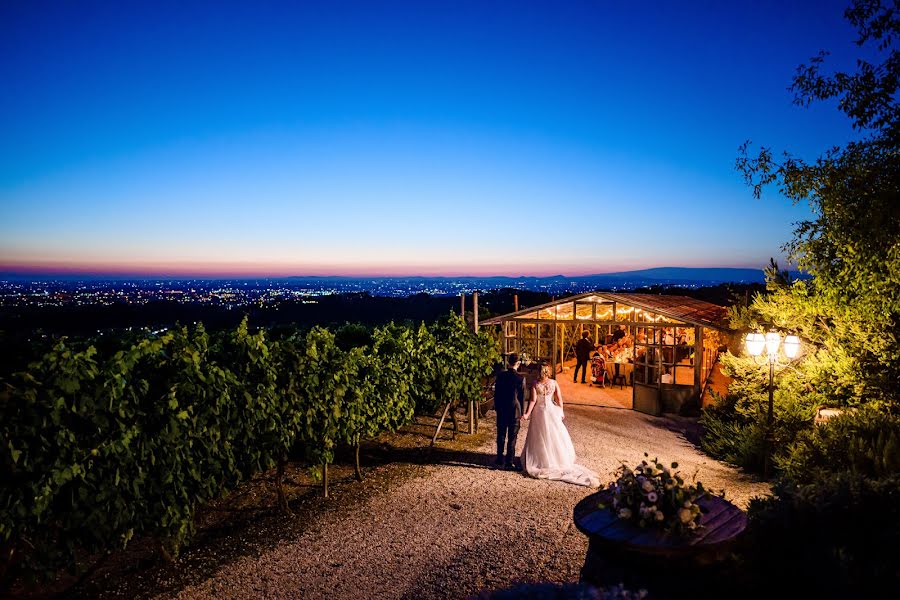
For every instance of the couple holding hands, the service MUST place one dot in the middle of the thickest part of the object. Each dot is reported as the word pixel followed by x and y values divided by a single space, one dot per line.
pixel 548 451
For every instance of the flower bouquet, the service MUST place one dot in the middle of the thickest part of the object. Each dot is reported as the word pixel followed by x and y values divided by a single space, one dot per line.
pixel 653 495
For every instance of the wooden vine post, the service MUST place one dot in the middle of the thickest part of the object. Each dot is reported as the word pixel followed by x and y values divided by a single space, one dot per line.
pixel 359 476
pixel 449 409
pixel 279 487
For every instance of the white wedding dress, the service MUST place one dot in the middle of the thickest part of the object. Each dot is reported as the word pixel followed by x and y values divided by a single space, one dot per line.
pixel 548 452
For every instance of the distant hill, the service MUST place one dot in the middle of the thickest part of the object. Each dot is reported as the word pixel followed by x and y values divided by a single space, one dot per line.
pixel 662 274
pixel 713 275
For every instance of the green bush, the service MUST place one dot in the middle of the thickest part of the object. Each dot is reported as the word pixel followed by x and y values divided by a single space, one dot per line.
pixel 731 436
pixel 450 362
pixel 834 537
pixel 863 442
pixel 734 427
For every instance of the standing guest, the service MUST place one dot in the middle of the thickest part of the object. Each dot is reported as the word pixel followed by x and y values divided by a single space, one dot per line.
pixel 509 400
pixel 618 334
pixel 681 351
pixel 582 355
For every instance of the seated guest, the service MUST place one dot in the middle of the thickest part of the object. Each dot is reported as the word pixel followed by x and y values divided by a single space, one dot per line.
pixel 666 377
pixel 598 369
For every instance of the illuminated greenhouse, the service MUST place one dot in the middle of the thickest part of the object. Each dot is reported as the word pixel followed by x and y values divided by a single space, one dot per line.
pixel 664 347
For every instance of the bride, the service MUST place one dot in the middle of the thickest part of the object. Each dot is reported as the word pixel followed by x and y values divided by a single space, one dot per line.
pixel 548 452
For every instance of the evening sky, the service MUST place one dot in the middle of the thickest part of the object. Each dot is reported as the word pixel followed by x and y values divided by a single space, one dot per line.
pixel 455 138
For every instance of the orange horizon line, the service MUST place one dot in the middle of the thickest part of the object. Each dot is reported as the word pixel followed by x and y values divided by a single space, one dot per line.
pixel 250 272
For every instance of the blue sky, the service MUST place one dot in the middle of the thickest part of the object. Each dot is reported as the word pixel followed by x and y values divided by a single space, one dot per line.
pixel 400 138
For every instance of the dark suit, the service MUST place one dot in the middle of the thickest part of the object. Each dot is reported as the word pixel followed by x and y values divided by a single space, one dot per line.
pixel 509 401
pixel 582 355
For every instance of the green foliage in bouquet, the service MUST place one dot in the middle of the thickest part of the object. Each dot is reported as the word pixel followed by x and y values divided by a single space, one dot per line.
pixel 653 495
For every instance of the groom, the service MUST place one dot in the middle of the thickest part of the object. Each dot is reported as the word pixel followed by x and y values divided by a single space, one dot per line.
pixel 509 400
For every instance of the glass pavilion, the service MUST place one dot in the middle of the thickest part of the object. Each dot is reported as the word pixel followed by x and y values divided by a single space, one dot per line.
pixel 665 345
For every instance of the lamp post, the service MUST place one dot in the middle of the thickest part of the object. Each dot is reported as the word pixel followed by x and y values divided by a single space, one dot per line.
pixel 755 343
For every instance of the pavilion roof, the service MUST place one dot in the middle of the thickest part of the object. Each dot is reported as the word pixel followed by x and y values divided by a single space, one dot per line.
pixel 682 308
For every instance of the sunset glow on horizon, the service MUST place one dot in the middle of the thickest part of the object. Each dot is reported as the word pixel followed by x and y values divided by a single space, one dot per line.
pixel 237 270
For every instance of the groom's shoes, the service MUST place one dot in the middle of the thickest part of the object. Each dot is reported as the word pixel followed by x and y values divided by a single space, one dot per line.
pixel 511 467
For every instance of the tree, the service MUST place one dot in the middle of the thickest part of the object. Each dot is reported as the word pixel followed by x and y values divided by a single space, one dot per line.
pixel 851 246
pixel 848 311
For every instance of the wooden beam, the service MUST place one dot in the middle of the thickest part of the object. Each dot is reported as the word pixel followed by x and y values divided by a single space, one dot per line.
pixel 553 352
pixel 475 309
pixel 441 423
pixel 699 356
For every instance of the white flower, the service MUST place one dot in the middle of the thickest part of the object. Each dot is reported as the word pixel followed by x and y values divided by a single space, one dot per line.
pixel 685 515
pixel 659 515
pixel 625 513
pixel 647 485
pixel 652 496
pixel 687 504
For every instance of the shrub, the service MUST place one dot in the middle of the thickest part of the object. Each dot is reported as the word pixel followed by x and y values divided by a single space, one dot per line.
pixel 730 437
pixel 734 427
pixel 834 537
pixel 863 442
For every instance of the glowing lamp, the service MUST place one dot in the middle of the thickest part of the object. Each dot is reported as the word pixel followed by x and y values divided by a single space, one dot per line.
pixel 791 346
pixel 773 340
pixel 755 343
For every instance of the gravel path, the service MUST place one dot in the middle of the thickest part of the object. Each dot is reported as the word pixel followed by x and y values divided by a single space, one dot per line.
pixel 462 526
